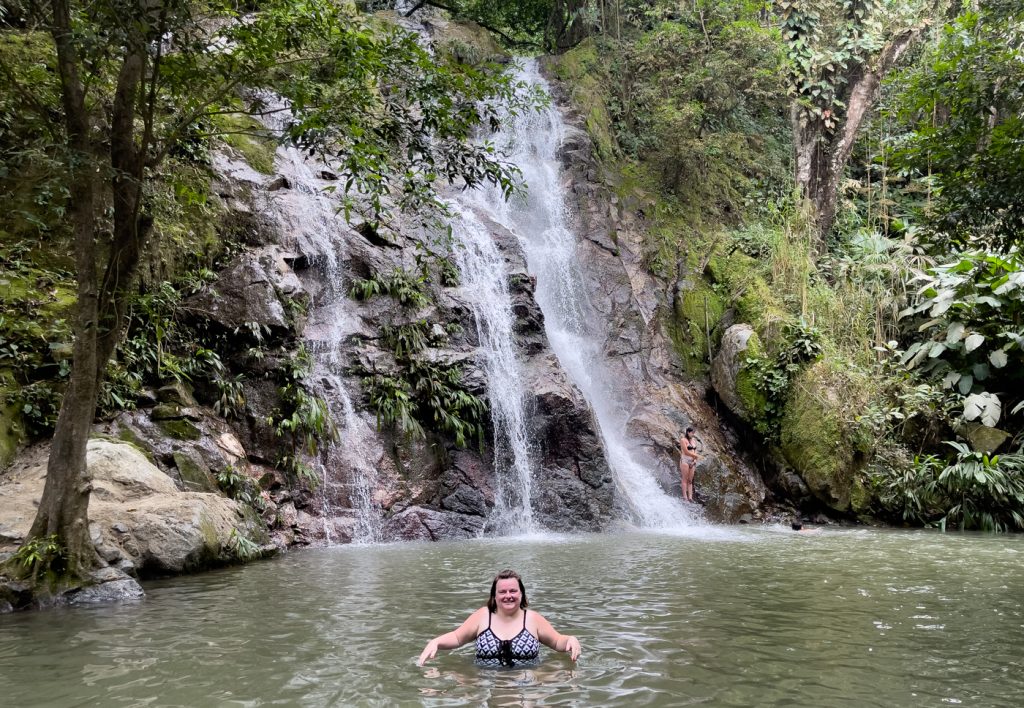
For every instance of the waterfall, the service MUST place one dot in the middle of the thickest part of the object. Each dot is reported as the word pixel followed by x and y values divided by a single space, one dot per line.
pixel 485 286
pixel 543 224
pixel 310 216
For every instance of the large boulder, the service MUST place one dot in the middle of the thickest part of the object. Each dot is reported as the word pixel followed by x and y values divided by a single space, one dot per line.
pixel 731 376
pixel 818 439
pixel 138 518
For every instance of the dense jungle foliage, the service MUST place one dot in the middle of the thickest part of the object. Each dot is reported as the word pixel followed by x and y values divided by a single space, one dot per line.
pixel 844 176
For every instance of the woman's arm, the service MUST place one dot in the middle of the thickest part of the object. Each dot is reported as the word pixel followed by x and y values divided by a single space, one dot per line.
pixel 559 642
pixel 467 631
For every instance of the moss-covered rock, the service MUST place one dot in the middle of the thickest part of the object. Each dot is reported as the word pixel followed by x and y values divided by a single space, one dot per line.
pixel 582 71
pixel 10 430
pixel 468 43
pixel 818 437
pixel 194 473
pixel 179 429
pixel 244 134
pixel 697 313
pixel 752 399
pixel 749 293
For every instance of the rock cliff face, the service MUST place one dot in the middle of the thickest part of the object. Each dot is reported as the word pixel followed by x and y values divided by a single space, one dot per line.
pixel 637 308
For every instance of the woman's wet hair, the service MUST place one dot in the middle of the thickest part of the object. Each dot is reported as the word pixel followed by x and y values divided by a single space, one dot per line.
pixel 690 430
pixel 492 602
pixel 796 525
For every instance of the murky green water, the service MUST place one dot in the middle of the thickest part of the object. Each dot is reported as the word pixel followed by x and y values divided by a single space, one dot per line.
pixel 758 617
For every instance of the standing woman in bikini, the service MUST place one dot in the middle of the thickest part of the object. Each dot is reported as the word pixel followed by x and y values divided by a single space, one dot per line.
pixel 506 632
pixel 687 462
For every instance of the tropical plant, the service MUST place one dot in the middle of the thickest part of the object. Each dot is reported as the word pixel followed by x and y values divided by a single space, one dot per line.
pixel 245 549
pixel 970 312
pixel 42 553
pixel 972 491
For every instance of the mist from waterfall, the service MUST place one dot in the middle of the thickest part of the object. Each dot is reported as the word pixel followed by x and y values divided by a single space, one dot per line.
pixel 574 329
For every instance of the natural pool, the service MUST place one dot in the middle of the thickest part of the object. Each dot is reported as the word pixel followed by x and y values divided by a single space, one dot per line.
pixel 714 616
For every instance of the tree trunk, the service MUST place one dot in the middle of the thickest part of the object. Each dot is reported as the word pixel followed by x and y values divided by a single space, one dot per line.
pixel 821 155
pixel 63 509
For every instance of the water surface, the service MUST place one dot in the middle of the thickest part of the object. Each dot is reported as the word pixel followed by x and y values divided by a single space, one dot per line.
pixel 719 617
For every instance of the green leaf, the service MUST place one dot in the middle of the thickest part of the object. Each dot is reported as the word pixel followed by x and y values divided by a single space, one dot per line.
pixel 966 383
pixel 973 342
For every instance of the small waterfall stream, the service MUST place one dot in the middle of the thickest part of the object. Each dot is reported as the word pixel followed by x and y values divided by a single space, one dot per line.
pixel 311 216
pixel 574 330
pixel 485 285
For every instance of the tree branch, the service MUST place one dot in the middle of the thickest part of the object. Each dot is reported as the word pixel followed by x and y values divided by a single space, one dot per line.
pixel 490 28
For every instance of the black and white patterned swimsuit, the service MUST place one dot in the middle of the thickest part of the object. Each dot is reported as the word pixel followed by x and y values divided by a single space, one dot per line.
pixel 492 651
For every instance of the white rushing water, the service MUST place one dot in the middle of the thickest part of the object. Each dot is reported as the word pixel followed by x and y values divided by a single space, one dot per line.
pixel 311 216
pixel 543 224
pixel 485 286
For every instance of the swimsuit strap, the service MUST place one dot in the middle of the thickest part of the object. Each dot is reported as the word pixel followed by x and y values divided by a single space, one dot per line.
pixel 489 614
pixel 524 618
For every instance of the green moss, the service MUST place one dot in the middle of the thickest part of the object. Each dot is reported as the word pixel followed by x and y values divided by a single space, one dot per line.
pixel 582 71
pixel 751 397
pixel 817 437
pixel 10 430
pixel 754 299
pixel 194 473
pixel 179 429
pixel 244 134
pixel 698 312
pixel 184 222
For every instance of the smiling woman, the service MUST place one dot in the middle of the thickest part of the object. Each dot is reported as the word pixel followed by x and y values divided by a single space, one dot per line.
pixel 506 633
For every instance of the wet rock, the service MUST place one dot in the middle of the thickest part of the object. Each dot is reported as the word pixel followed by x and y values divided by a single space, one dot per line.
pixel 279 182
pixel 110 585
pixel 419 524
pixel 728 364
pixel 243 296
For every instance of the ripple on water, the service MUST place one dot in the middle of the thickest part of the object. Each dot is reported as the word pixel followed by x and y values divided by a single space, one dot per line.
pixel 746 617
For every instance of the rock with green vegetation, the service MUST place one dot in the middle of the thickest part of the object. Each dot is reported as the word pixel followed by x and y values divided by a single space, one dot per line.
pixel 10 427
pixel 982 438
pixel 818 436
pixel 466 42
pixel 195 474
pixel 731 376
pixel 179 429
pixel 698 311
pixel 581 71
pixel 250 139
pixel 753 299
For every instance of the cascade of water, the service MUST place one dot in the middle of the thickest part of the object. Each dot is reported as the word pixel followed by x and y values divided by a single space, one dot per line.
pixel 485 285
pixel 543 224
pixel 310 215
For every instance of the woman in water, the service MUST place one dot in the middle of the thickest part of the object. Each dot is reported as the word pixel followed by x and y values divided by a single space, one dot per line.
pixel 506 632
pixel 687 462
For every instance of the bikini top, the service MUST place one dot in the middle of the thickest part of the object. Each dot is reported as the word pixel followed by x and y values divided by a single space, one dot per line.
pixel 691 447
pixel 492 651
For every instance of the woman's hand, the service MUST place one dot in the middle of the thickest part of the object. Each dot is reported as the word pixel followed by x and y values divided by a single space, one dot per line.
pixel 429 652
pixel 572 645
